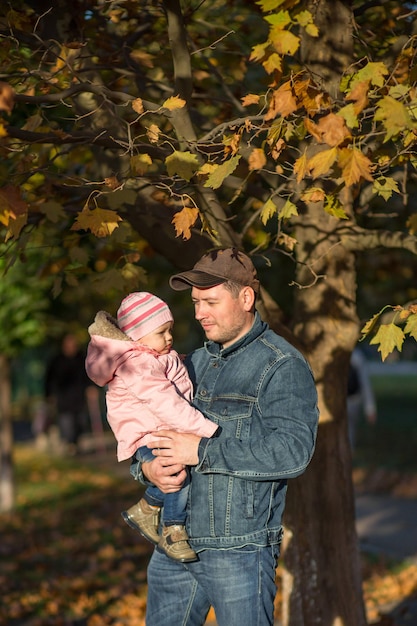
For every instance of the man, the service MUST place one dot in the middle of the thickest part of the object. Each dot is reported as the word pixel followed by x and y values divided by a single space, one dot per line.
pixel 261 392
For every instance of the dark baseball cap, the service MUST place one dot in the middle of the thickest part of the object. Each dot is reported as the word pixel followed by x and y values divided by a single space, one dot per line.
pixel 217 267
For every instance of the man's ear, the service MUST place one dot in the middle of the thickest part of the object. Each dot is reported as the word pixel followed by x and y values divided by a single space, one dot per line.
pixel 248 298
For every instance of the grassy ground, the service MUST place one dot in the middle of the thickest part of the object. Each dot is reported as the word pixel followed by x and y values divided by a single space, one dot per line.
pixel 68 559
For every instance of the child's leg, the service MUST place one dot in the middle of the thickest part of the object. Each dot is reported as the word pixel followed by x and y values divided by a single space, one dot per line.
pixel 145 515
pixel 174 537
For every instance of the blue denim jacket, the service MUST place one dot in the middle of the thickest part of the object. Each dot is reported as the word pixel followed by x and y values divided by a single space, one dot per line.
pixel 262 393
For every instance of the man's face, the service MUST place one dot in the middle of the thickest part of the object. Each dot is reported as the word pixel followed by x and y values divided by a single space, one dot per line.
pixel 224 318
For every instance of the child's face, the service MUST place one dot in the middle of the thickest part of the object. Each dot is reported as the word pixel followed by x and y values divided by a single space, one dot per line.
pixel 159 339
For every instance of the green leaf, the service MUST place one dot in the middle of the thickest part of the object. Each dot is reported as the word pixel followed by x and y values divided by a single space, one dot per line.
pixel 184 164
pixel 221 172
pixel 288 210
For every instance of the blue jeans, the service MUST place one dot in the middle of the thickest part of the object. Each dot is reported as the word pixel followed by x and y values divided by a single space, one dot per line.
pixel 239 584
pixel 174 504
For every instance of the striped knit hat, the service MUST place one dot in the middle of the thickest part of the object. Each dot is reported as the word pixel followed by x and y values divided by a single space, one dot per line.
pixel 141 313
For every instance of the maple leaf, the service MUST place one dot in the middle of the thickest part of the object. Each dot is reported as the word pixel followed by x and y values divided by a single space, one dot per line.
pixel 301 167
pixel 349 115
pixel 101 222
pixel 257 159
pixel 273 63
pixel 185 164
pixel 370 324
pixel 258 52
pixel 268 210
pixel 385 186
pixel 284 42
pixel 314 194
pixel 269 5
pixel 354 165
pixel 333 207
pixel 411 326
pixel 282 102
pixel 333 130
pixel 320 163
pixel 251 98
pixel 388 338
pixel 359 94
pixel 288 210
pixel 173 103
pixel 216 178
pixel 394 117
pixel 184 220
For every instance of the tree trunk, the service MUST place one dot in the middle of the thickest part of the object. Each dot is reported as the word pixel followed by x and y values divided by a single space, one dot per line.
pixel 7 496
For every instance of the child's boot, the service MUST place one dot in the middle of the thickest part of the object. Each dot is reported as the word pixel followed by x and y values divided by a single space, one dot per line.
pixel 144 518
pixel 174 542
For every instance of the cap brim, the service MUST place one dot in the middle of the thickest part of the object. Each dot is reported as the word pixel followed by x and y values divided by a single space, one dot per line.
pixel 194 278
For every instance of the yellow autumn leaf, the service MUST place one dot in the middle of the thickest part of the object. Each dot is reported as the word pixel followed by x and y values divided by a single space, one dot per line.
pixel 411 326
pixel 388 338
pixel 394 117
pixel 184 220
pixel 101 222
pixel 257 159
pixel 273 63
pixel 333 207
pixel 3 131
pixel 288 210
pixel 354 165
pixel 258 52
pixel 183 164
pixel 216 178
pixel 268 210
pixel 384 187
pixel 321 163
pixel 173 103
pixel 370 325
pixel 301 167
pixel 284 41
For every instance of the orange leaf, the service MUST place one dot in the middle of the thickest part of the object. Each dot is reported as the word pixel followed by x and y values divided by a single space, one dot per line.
pixel 184 220
pixel 6 97
pixel 354 165
pixel 257 159
pixel 282 102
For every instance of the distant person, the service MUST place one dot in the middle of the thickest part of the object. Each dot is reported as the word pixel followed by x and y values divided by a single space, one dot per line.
pixel 68 391
pixel 360 395
pixel 148 388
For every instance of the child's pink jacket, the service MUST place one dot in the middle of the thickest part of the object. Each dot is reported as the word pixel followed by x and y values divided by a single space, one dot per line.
pixel 145 391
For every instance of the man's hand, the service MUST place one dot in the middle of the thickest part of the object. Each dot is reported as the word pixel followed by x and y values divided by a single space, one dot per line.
pixel 175 447
pixel 166 476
